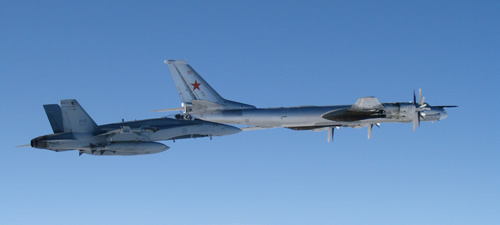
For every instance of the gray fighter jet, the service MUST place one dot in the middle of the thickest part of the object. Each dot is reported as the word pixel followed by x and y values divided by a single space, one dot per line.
pixel 200 100
pixel 75 130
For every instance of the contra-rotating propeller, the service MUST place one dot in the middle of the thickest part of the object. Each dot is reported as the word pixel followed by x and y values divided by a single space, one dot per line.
pixel 419 107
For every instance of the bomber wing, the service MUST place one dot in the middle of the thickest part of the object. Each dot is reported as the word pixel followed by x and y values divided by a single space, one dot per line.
pixel 367 103
pixel 364 108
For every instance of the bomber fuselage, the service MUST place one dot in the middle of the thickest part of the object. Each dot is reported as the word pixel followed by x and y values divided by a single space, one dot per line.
pixel 315 116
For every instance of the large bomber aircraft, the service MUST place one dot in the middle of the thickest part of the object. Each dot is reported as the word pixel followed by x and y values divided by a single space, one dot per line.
pixel 75 130
pixel 201 101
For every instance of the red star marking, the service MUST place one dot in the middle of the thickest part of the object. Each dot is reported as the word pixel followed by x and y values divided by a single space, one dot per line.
pixel 196 85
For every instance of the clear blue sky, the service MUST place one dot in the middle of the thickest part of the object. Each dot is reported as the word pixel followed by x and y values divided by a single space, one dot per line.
pixel 109 55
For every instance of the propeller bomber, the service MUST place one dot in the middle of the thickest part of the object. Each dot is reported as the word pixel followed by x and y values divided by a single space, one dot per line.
pixel 201 101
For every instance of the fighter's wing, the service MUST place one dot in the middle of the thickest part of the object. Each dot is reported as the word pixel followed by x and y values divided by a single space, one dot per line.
pixel 126 133
pixel 364 108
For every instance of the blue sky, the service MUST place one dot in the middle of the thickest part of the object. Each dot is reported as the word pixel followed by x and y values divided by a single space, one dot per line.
pixel 109 55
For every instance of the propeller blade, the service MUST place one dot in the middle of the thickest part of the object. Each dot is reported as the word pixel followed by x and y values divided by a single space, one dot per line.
pixel 415 123
pixel 418 108
pixel 420 96
pixel 419 115
pixel 414 98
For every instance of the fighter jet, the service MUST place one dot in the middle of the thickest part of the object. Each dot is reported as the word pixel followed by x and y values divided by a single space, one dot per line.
pixel 75 130
pixel 201 101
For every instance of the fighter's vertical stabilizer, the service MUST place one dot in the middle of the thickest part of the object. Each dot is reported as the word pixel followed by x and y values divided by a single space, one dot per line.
pixel 75 119
pixel 194 90
pixel 54 115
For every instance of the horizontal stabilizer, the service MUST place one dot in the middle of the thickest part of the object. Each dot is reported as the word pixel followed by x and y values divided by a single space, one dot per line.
pixel 54 115
pixel 201 105
pixel 168 110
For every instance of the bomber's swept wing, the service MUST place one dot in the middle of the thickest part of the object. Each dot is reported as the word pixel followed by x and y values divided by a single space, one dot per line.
pixel 363 108
pixel 367 103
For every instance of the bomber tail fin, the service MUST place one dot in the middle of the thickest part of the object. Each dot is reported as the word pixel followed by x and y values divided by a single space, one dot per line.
pixel 54 115
pixel 192 88
pixel 75 119
pixel 190 85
